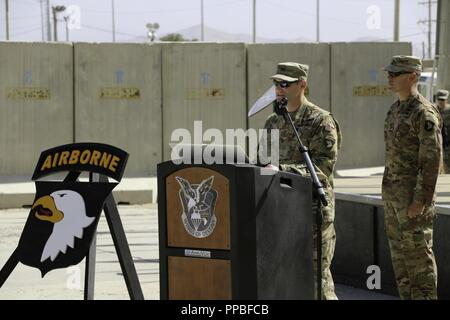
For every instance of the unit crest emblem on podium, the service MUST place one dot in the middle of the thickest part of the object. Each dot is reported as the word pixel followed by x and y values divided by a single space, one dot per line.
pixel 199 201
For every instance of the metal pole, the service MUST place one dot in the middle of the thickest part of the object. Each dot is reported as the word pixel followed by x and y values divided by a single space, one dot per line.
pixel 47 14
pixel 41 2
pixel 431 92
pixel 318 21
pixel 438 28
pixel 7 18
pixel 55 29
pixel 397 21
pixel 202 22
pixel 254 21
pixel 66 20
pixel 436 48
pixel 423 49
pixel 429 29
pixel 443 45
pixel 113 21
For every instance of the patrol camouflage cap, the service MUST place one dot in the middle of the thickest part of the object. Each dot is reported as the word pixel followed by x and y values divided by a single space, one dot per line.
pixel 291 71
pixel 442 95
pixel 404 63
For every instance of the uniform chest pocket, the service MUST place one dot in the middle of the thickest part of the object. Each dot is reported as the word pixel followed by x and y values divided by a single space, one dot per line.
pixel 305 134
pixel 402 128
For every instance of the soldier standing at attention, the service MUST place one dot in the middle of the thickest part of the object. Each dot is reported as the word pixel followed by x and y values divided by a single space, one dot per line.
pixel 444 109
pixel 412 133
pixel 320 134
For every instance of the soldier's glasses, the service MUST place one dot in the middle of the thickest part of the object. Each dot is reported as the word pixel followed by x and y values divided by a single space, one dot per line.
pixel 396 74
pixel 283 84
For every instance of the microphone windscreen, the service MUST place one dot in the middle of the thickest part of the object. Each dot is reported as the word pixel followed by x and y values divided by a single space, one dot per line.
pixel 278 105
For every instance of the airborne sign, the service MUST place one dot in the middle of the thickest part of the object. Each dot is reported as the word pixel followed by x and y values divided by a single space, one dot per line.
pixel 92 157
pixel 63 218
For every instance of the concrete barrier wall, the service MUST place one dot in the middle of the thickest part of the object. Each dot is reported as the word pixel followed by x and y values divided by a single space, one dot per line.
pixel 442 252
pixel 360 99
pixel 36 98
pixel 203 81
pixel 262 60
pixel 135 95
pixel 383 254
pixel 361 241
pixel 355 249
pixel 118 100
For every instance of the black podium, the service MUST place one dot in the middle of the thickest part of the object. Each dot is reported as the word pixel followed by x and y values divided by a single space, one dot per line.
pixel 230 232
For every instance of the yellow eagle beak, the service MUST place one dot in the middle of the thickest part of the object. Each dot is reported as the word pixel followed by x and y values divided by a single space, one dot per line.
pixel 45 209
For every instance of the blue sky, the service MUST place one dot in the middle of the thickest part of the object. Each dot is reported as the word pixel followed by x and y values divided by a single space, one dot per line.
pixel 340 20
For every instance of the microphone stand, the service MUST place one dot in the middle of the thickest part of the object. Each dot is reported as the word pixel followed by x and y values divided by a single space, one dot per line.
pixel 282 106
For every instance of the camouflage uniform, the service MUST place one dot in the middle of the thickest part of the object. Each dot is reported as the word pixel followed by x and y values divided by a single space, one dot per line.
pixel 320 134
pixel 412 135
pixel 445 114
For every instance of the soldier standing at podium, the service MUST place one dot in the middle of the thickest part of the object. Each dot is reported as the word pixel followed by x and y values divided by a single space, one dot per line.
pixel 320 133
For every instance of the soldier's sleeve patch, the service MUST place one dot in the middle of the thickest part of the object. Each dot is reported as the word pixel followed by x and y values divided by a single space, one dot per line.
pixel 329 143
pixel 429 125
pixel 329 127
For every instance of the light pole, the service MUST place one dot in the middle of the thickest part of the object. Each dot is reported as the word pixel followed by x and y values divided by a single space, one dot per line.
pixel 42 19
pixel 202 27
pixel 66 20
pixel 254 21
pixel 318 20
pixel 113 21
pixel 47 20
pixel 152 27
pixel 397 20
pixel 55 10
pixel 7 18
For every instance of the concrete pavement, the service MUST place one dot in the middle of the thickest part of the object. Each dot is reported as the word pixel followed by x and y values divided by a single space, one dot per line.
pixel 367 181
pixel 141 227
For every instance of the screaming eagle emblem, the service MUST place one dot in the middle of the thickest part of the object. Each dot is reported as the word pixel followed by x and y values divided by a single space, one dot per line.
pixel 63 218
pixel 61 223
pixel 67 211
pixel 198 202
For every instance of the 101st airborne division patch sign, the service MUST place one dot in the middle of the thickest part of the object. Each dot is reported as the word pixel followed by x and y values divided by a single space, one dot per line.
pixel 64 215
